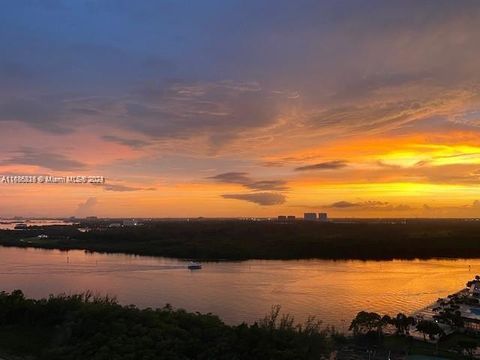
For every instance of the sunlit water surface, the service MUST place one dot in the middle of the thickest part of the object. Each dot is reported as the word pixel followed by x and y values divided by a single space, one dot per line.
pixel 10 224
pixel 334 291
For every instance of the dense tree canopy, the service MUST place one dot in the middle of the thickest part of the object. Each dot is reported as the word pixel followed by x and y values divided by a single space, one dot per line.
pixel 86 327
pixel 430 328
pixel 366 322
pixel 230 239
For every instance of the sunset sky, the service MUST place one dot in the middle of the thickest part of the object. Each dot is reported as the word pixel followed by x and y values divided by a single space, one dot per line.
pixel 241 108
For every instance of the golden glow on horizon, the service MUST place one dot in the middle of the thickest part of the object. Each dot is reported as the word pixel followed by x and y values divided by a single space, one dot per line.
pixel 391 176
pixel 433 154
pixel 344 116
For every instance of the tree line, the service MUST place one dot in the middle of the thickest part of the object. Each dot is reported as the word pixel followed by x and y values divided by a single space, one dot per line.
pixel 237 240
pixel 83 326
pixel 371 323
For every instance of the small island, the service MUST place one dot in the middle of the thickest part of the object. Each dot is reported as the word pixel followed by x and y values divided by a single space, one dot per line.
pixel 240 240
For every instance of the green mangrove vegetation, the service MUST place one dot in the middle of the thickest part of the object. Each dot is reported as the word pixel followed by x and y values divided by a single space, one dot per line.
pixel 237 240
pixel 80 327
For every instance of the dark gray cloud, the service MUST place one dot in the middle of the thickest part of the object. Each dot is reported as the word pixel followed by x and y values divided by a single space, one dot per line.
pixel 381 114
pixel 122 188
pixel 328 165
pixel 267 192
pixel 243 178
pixel 277 185
pixel 365 86
pixel 44 113
pixel 260 198
pixel 369 205
pixel 232 178
pixel 339 56
pixel 219 110
pixel 133 143
pixel 45 159
pixel 343 204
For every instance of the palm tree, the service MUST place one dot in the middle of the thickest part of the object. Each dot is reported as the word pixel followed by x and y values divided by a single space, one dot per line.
pixel 430 328
pixel 402 323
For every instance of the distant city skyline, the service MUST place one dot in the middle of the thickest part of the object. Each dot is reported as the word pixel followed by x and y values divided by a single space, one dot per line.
pixel 241 108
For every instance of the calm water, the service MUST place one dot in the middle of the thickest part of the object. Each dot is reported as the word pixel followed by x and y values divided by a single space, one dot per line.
pixel 10 224
pixel 240 291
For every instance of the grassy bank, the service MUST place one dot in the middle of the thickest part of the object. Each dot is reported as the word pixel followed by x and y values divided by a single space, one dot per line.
pixel 266 240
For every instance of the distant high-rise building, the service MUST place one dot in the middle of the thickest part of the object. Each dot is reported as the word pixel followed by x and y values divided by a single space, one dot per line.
pixel 291 218
pixel 310 216
pixel 322 217
pixel 282 218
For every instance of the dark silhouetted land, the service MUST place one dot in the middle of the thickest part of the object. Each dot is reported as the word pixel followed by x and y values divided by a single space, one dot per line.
pixel 81 327
pixel 237 240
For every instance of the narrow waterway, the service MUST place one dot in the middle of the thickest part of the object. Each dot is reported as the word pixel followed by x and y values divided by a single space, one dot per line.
pixel 334 291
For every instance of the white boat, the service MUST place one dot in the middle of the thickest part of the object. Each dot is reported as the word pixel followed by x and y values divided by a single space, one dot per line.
pixel 194 266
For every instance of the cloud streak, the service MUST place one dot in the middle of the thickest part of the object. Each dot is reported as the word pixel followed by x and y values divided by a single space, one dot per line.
pixel 243 178
pixel 370 205
pixel 320 102
pixel 260 198
pixel 44 159
pixel 328 165
pixel 133 143
pixel 122 188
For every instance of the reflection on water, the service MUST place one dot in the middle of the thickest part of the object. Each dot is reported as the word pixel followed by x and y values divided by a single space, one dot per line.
pixel 240 291
pixel 10 224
